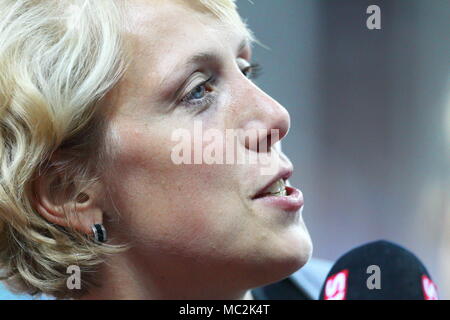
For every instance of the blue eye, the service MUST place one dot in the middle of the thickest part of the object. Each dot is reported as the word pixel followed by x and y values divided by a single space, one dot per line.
pixel 201 95
pixel 198 92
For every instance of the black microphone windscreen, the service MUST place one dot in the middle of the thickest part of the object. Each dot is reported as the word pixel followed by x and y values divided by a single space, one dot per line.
pixel 379 270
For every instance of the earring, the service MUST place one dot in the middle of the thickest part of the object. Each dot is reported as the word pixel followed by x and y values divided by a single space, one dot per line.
pixel 99 232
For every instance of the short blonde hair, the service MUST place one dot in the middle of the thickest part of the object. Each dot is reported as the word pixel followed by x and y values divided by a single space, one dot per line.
pixel 58 59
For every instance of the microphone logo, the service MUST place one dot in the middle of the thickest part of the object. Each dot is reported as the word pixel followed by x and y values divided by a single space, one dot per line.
pixel 336 286
pixel 429 289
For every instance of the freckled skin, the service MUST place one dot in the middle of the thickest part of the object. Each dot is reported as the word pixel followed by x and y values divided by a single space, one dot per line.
pixel 194 229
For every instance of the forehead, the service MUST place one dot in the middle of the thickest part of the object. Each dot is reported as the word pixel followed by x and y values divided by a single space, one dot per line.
pixel 164 31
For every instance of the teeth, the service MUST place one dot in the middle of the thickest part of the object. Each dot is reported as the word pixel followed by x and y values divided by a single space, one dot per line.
pixel 278 188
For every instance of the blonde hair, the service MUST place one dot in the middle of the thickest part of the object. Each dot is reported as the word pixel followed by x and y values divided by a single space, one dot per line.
pixel 58 59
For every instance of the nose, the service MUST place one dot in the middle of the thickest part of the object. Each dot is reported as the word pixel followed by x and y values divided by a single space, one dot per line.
pixel 265 121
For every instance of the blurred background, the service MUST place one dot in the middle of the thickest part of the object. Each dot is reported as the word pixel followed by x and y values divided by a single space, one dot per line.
pixel 370 119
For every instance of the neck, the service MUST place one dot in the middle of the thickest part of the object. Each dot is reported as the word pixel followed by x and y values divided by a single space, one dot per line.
pixel 126 277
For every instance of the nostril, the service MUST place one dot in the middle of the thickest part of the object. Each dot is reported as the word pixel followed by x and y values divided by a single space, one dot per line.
pixel 265 144
pixel 260 140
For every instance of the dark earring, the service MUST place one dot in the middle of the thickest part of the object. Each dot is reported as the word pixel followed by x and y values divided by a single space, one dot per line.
pixel 99 233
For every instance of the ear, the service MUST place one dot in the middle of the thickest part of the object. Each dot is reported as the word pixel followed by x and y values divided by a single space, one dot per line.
pixel 61 209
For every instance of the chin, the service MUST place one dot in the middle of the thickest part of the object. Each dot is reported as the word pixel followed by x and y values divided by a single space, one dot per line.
pixel 295 254
pixel 289 254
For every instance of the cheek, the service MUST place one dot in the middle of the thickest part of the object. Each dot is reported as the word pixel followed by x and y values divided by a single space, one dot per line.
pixel 164 206
pixel 185 218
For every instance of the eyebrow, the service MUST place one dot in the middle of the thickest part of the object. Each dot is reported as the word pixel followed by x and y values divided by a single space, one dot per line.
pixel 196 59
pixel 207 56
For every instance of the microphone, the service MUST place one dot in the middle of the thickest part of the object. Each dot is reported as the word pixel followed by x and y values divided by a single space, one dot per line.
pixel 379 270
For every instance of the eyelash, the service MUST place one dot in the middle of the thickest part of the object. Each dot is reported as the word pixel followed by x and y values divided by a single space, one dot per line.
pixel 255 72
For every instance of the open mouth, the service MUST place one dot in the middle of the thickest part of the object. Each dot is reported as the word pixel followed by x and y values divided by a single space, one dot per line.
pixel 276 189
pixel 277 194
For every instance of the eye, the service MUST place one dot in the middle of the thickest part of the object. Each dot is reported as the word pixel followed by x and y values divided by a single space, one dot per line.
pixel 250 70
pixel 198 92
pixel 201 95
pixel 253 71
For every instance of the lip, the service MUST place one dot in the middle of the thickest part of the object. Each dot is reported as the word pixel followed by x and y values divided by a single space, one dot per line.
pixel 284 174
pixel 292 201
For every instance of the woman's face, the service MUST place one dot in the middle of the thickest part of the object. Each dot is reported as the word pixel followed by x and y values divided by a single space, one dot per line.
pixel 197 218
